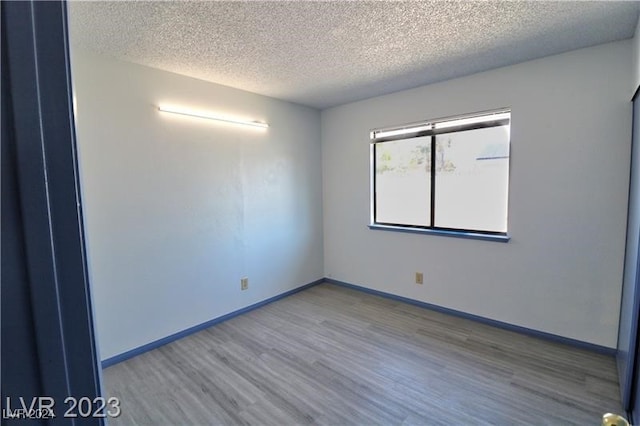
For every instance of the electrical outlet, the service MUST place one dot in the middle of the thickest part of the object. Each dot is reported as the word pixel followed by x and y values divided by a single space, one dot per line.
pixel 419 278
pixel 244 283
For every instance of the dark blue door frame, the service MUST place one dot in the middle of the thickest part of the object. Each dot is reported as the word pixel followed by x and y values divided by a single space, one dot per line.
pixel 46 303
pixel 630 305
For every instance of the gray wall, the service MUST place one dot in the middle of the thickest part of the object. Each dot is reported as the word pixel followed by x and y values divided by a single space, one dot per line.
pixel 562 271
pixel 178 209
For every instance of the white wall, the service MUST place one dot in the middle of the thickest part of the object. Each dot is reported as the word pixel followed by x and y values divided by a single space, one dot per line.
pixel 178 209
pixel 561 272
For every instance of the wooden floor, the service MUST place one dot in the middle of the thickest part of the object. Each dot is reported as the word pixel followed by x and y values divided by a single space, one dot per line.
pixel 336 356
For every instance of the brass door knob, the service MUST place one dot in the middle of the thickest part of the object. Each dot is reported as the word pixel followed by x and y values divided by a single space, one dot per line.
pixel 611 419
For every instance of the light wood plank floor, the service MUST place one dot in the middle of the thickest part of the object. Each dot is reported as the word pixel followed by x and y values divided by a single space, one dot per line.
pixel 336 356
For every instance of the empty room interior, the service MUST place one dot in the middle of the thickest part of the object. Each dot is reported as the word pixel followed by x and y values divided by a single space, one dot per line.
pixel 361 212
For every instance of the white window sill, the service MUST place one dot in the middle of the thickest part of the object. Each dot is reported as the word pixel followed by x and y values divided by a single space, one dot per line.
pixel 455 234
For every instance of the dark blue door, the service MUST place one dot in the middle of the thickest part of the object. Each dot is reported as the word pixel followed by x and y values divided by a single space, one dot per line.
pixel 48 344
pixel 628 330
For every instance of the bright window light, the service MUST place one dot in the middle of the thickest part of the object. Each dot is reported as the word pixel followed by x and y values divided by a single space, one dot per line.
pixel 400 132
pixel 473 120
pixel 455 180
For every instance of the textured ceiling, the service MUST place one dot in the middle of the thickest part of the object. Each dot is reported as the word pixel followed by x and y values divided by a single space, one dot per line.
pixel 328 53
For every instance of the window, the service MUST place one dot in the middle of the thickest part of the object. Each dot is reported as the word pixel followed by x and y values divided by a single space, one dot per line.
pixel 447 176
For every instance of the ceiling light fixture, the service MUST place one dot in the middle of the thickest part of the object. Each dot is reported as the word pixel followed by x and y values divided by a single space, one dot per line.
pixel 210 116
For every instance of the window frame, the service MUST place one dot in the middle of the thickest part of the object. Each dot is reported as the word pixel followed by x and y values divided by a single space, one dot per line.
pixel 433 128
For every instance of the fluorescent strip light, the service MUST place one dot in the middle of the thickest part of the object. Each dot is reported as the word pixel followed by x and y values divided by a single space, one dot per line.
pixel 473 120
pixel 209 116
pixel 397 132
